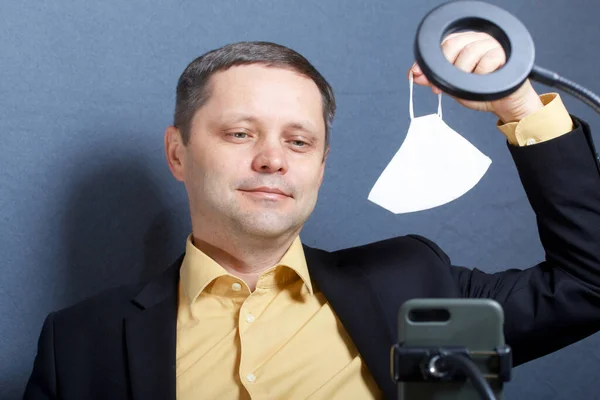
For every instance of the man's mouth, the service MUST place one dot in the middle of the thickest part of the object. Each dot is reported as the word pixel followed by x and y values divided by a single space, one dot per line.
pixel 267 192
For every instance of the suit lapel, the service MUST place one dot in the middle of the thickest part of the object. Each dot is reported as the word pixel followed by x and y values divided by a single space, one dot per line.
pixel 355 303
pixel 151 338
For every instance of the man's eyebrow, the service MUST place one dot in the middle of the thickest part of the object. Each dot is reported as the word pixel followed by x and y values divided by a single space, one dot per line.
pixel 235 118
pixel 302 127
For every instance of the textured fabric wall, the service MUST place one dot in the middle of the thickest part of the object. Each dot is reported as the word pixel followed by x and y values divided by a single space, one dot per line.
pixel 87 201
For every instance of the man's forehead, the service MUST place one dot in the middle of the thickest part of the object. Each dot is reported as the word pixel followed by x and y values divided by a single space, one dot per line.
pixel 236 97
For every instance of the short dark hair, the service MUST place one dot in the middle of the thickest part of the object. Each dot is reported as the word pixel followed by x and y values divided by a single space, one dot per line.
pixel 193 86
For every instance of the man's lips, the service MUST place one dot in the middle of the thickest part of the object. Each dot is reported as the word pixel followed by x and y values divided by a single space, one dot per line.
pixel 267 191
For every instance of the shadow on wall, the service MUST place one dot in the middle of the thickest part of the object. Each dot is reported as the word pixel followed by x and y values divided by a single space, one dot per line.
pixel 121 226
pixel 121 220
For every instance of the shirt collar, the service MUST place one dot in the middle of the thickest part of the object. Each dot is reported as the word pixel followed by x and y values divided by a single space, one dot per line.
pixel 198 270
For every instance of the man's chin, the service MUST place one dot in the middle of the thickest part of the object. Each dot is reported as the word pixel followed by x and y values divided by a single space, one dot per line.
pixel 268 231
pixel 267 226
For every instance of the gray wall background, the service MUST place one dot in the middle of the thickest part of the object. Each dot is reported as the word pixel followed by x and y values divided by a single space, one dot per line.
pixel 87 201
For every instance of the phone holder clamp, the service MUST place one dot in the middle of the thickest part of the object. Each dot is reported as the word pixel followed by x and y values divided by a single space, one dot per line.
pixel 427 364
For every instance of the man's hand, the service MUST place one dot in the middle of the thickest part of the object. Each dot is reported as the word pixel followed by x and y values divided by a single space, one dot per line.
pixel 480 53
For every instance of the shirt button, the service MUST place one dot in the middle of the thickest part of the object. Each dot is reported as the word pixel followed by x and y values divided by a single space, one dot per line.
pixel 250 378
pixel 236 287
pixel 249 318
pixel 530 142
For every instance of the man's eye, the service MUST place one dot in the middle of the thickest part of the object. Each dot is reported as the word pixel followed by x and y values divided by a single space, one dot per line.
pixel 298 143
pixel 239 135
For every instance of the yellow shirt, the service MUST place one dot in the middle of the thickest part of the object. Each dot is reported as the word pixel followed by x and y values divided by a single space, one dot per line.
pixel 284 341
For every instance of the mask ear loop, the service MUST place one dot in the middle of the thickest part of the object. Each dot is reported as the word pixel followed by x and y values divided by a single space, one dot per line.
pixel 410 100
pixel 440 105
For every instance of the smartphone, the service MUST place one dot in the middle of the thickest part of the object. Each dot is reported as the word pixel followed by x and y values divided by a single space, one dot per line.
pixel 476 324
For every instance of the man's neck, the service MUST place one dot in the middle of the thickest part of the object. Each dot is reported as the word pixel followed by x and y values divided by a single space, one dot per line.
pixel 244 258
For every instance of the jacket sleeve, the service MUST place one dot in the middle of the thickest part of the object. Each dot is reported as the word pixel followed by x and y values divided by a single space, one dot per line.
pixel 556 302
pixel 42 381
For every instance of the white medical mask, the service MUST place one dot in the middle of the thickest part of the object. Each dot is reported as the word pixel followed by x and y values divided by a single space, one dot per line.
pixel 434 165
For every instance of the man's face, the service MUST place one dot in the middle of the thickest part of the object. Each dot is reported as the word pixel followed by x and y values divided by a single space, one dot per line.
pixel 255 160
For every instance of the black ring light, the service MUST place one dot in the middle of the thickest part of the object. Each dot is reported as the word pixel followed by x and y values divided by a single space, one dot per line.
pixel 508 31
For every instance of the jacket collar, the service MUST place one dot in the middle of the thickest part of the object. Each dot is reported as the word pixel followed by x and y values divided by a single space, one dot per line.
pixel 150 337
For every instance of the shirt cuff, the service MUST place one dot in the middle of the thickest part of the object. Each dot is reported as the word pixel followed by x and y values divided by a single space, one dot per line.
pixel 548 123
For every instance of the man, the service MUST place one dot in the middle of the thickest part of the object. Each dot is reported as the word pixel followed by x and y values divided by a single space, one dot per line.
pixel 249 312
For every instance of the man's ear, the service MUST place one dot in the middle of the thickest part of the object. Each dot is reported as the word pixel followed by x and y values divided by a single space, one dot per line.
pixel 323 165
pixel 326 154
pixel 175 152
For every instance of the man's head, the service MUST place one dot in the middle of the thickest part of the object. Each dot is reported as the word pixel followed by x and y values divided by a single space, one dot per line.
pixel 250 118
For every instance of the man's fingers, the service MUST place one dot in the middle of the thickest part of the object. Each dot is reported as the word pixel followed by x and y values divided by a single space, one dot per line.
pixel 453 46
pixel 469 51
pixel 450 36
pixel 416 70
pixel 491 61
pixel 418 77
pixel 471 55
pixel 480 35
pixel 421 80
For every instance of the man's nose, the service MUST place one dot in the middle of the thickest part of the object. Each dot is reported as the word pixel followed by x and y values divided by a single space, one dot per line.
pixel 270 158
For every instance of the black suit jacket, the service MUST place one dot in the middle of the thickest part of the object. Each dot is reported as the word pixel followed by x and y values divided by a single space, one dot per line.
pixel 121 344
